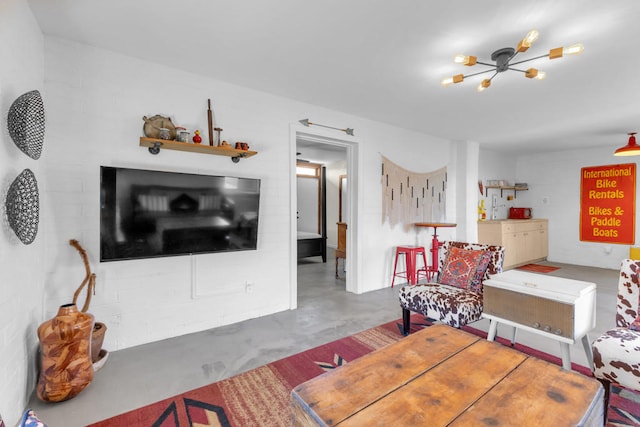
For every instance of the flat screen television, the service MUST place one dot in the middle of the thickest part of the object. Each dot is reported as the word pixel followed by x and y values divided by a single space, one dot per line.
pixel 147 213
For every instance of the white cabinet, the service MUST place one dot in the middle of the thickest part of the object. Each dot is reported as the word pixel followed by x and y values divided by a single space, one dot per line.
pixel 555 307
pixel 525 240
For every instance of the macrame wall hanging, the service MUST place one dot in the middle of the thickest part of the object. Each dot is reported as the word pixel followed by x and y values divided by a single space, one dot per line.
pixel 410 197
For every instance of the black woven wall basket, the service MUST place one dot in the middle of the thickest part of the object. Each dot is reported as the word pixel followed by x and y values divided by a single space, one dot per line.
pixel 25 123
pixel 23 206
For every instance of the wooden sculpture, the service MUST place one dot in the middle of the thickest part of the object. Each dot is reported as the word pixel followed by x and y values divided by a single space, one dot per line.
pixel 70 343
pixel 99 328
pixel 65 344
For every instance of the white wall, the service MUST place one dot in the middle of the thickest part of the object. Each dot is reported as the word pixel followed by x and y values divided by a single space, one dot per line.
pixel 554 193
pixel 21 279
pixel 463 178
pixel 95 100
pixel 98 99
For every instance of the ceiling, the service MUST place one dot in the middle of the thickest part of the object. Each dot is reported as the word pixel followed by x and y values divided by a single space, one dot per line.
pixel 384 60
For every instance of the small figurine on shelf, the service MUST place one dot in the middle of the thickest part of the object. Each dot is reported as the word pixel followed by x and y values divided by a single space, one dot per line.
pixel 196 137
pixel 225 144
pixel 242 146
pixel 181 134
pixel 218 130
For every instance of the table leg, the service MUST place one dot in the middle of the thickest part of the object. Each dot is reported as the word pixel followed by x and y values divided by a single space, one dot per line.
pixel 493 329
pixel 513 336
pixel 588 350
pixel 566 355
pixel 435 246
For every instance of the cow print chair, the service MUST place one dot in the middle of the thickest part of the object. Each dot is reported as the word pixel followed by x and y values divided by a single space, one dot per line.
pixel 616 353
pixel 452 305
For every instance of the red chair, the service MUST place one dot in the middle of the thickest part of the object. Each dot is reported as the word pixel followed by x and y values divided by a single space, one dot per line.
pixel 411 254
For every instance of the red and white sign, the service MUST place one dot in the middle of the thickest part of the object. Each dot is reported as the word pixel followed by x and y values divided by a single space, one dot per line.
pixel 607 204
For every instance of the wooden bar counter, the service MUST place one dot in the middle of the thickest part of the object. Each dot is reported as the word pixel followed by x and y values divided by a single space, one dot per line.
pixel 442 376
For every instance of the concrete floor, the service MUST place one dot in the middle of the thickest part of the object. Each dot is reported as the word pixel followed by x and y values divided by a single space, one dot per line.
pixel 142 375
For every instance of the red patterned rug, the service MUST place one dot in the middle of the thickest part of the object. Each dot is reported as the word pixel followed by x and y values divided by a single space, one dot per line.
pixel 261 396
pixel 537 268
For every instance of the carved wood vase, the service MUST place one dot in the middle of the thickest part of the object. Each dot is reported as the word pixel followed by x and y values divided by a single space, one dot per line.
pixel 65 343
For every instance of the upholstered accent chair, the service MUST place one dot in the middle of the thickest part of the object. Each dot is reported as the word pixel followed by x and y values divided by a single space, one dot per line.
pixel 453 298
pixel 616 353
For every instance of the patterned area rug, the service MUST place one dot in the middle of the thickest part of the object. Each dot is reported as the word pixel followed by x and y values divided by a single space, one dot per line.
pixel 261 396
pixel 537 268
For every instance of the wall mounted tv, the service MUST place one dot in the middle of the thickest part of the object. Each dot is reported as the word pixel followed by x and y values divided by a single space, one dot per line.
pixel 145 213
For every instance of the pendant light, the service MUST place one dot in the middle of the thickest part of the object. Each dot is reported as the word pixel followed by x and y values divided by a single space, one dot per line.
pixel 631 149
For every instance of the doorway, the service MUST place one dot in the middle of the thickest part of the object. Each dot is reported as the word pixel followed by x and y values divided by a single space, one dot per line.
pixel 339 158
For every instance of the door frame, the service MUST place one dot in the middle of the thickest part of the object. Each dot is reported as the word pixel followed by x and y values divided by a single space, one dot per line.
pixel 352 146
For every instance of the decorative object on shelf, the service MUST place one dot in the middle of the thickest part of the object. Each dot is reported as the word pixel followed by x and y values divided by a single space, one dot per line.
pixel 197 139
pixel 164 133
pixel 99 329
pixel 410 197
pixel 503 57
pixel 307 123
pixel 25 123
pixel 154 142
pixel 182 135
pixel 153 125
pixel 22 206
pixel 242 146
pixel 218 130
pixel 631 149
pixel 65 344
pixel 210 122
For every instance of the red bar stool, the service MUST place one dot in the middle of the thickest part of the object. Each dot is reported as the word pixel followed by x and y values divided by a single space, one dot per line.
pixel 411 254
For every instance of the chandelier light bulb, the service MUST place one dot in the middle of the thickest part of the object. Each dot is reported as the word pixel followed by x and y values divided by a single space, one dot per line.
pixel 541 75
pixel 465 59
pixel 446 81
pixel 574 49
pixel 526 42
pixel 531 73
pixel 484 84
pixel 454 79
pixel 531 37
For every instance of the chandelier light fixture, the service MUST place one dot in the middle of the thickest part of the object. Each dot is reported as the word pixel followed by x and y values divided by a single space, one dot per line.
pixel 503 57
pixel 631 149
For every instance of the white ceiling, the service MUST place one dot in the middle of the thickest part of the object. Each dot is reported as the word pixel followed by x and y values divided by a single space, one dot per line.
pixel 384 60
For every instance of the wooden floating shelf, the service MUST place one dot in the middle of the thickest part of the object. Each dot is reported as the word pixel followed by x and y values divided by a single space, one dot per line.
pixel 157 144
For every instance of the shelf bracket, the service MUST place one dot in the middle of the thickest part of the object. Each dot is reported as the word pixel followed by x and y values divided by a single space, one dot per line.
pixel 156 148
pixel 236 159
